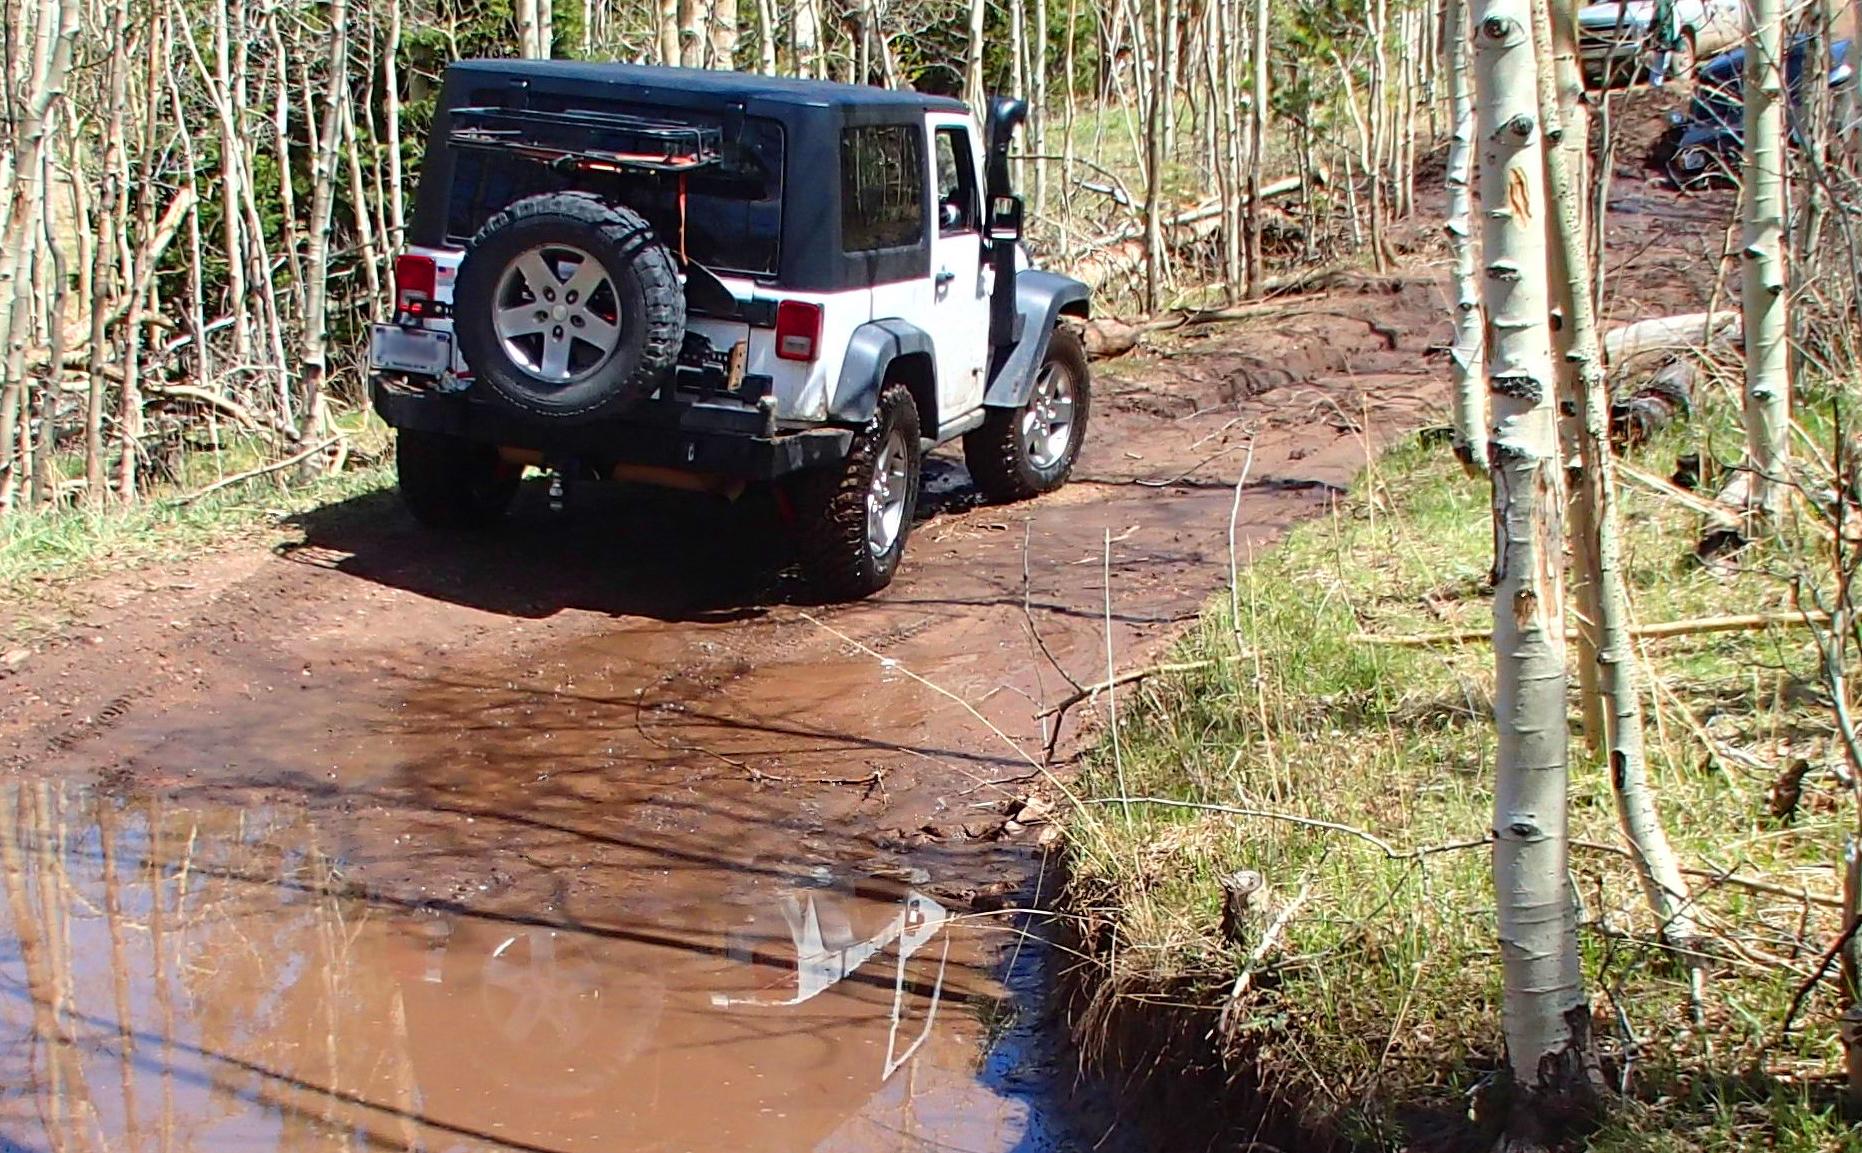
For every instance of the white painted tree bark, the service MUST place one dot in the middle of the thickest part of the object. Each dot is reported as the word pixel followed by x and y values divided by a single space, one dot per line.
pixel 1465 354
pixel 1768 363
pixel 1545 1012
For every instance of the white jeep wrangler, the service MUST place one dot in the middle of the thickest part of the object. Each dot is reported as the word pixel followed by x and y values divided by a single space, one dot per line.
pixel 712 279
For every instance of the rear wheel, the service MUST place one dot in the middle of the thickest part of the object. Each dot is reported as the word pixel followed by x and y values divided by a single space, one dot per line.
pixel 855 519
pixel 452 483
pixel 1023 452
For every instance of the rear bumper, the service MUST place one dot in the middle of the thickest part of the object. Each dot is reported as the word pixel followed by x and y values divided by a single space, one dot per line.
pixel 699 439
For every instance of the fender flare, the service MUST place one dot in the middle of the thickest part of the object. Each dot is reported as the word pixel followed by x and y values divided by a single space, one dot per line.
pixel 870 353
pixel 1041 298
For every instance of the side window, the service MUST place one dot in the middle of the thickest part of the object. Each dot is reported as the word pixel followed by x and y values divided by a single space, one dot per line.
pixel 882 186
pixel 957 202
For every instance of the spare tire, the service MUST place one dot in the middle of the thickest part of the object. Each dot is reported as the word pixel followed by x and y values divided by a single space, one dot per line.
pixel 568 307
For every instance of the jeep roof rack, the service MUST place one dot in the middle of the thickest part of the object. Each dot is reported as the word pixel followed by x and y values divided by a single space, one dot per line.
pixel 604 141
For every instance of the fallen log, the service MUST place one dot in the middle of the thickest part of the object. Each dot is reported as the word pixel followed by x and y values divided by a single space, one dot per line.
pixel 1743 622
pixel 1690 332
pixel 1661 400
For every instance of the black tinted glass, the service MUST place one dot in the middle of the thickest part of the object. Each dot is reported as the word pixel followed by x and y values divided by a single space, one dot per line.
pixel 882 174
pixel 732 211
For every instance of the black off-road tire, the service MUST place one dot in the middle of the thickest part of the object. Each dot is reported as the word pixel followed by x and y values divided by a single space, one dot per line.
pixel 831 507
pixel 649 302
pixel 997 452
pixel 449 483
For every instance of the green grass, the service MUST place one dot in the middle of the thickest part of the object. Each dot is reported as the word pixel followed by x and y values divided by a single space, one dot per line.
pixel 1382 1003
pixel 43 549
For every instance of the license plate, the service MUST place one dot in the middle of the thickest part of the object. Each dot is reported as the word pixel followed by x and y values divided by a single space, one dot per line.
pixel 416 350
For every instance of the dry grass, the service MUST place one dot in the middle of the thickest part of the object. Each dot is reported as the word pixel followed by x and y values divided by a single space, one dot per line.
pixel 1379 1015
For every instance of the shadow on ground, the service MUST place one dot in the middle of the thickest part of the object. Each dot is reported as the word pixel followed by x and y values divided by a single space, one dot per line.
pixel 612 549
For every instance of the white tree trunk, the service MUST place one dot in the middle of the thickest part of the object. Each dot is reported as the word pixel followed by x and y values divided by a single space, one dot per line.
pixel 1545 1011
pixel 766 36
pixel 723 34
pixel 973 56
pixel 1257 148
pixel 313 353
pixel 1768 365
pixel 1470 399
pixel 1622 733
pixel 667 25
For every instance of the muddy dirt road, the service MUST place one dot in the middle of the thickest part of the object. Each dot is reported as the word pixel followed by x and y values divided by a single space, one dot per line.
pixel 583 836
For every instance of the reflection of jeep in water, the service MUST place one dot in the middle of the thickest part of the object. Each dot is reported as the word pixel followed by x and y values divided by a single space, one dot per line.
pixel 708 280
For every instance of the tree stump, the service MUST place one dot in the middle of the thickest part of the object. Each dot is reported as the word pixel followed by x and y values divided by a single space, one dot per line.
pixel 1246 907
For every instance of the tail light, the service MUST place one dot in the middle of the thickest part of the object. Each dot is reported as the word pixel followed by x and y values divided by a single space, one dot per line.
pixel 798 330
pixel 415 279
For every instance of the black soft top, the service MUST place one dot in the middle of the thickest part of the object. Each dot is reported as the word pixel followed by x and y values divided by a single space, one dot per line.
pixel 812 114
pixel 652 83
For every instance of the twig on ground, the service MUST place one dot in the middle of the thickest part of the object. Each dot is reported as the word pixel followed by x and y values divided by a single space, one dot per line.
pixel 1270 938
pixel 1369 838
pixel 1816 975
pixel 940 690
pixel 1723 877
pixel 1149 482
pixel 1087 692
pixel 262 470
pixel 673 745
pixel 1743 622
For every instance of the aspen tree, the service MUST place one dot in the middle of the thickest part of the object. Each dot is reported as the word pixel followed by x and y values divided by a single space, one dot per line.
pixel 1762 299
pixel 1470 396
pixel 1615 653
pixel 1545 1011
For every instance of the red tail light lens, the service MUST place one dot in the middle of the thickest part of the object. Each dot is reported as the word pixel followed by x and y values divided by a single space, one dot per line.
pixel 415 280
pixel 798 330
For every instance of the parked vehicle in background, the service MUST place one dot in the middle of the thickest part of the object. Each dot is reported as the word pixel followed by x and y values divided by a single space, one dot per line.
pixel 1707 142
pixel 1619 41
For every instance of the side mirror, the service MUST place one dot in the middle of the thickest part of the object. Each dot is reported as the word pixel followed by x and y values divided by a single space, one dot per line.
pixel 949 216
pixel 1005 218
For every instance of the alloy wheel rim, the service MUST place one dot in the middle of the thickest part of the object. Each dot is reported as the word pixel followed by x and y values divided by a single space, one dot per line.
pixel 1047 421
pixel 886 495
pixel 556 313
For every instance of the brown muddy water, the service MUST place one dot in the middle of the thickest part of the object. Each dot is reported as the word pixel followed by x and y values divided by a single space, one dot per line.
pixel 185 976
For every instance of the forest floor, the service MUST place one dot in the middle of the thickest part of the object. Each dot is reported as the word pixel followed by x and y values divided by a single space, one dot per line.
pixel 1359 1008
pixel 343 829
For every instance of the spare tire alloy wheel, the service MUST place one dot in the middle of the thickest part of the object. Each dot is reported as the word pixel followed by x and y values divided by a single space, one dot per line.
pixel 557 314
pixel 568 307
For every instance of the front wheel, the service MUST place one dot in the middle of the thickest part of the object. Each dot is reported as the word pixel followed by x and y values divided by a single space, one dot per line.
pixel 855 518
pixel 452 483
pixel 1026 451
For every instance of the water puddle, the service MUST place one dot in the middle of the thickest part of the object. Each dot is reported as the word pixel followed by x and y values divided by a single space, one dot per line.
pixel 208 976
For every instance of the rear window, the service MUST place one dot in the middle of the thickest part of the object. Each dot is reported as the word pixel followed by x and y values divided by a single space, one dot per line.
pixel 882 174
pixel 732 211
